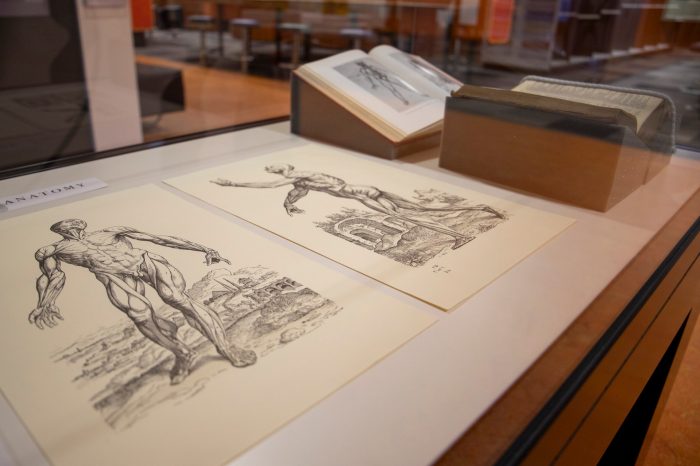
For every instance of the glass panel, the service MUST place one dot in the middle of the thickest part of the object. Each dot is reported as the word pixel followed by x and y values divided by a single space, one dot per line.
pixel 148 70
pixel 43 96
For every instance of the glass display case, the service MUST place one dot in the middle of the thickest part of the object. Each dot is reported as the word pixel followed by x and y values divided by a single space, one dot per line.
pixel 519 291
pixel 566 325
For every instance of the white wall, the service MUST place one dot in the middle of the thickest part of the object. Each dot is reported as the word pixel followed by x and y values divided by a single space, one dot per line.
pixel 110 72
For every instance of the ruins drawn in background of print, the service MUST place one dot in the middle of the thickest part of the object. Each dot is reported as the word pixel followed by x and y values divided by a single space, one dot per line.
pixel 408 243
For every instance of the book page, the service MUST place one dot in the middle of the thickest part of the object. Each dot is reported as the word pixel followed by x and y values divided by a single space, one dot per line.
pixel 421 73
pixel 379 91
pixel 165 326
pixel 638 105
pixel 432 240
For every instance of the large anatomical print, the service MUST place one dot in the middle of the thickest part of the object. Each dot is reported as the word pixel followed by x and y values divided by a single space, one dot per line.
pixel 438 242
pixel 129 325
pixel 418 224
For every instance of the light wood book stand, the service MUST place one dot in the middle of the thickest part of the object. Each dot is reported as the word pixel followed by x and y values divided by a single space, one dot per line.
pixel 316 116
pixel 575 160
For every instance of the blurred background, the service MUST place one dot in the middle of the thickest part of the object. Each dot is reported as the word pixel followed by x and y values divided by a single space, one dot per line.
pixel 85 76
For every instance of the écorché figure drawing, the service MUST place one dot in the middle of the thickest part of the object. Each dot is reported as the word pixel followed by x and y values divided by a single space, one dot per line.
pixel 377 78
pixel 124 271
pixel 371 197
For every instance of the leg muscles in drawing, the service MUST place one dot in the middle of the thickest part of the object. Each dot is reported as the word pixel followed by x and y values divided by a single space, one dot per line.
pixel 128 295
pixel 293 196
pixel 170 285
pixel 166 326
pixel 405 204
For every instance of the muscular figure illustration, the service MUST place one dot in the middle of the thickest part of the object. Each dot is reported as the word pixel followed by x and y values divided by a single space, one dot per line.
pixel 377 78
pixel 371 197
pixel 124 271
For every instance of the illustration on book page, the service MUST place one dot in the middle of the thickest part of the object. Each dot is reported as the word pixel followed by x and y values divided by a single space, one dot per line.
pixel 438 242
pixel 382 83
pixel 130 328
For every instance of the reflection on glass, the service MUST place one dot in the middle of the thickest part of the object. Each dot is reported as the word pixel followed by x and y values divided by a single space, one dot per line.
pixel 43 96
pixel 205 65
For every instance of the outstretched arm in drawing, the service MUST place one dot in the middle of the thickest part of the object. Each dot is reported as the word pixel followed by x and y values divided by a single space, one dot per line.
pixel 48 286
pixel 211 256
pixel 253 184
pixel 294 195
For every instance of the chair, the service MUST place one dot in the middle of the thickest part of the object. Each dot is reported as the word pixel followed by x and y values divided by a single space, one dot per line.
pixel 300 42
pixel 244 25
pixel 356 35
pixel 202 23
pixel 172 17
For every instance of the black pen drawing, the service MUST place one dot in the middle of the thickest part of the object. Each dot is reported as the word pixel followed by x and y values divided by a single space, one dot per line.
pixel 254 307
pixel 382 83
pixel 408 231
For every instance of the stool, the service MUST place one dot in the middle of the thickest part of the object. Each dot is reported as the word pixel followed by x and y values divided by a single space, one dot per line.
pixel 171 17
pixel 202 23
pixel 355 35
pixel 387 36
pixel 300 34
pixel 245 25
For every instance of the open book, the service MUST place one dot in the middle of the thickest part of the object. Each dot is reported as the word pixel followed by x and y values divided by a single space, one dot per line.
pixel 398 94
pixel 649 115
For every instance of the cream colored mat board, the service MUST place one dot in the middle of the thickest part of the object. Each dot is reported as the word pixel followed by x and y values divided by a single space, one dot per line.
pixel 432 240
pixel 273 332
